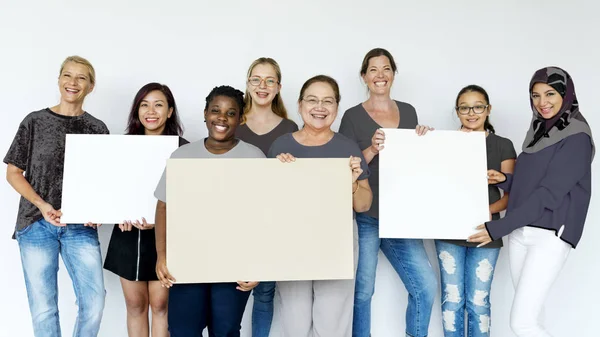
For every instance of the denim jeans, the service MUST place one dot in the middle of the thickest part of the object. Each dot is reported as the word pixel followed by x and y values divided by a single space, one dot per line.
pixel 218 306
pixel 40 244
pixel 467 275
pixel 262 309
pixel 410 261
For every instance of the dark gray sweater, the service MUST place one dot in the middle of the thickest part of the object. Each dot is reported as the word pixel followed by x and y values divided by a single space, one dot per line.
pixel 549 188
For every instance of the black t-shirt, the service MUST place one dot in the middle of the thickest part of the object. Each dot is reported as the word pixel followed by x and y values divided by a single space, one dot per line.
pixel 39 149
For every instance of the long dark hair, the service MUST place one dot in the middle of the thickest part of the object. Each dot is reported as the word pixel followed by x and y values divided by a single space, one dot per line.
pixel 475 88
pixel 173 126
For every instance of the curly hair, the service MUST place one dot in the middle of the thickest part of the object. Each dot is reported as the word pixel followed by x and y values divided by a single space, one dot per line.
pixel 227 91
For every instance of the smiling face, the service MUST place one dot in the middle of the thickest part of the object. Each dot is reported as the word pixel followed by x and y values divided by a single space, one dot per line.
pixel 74 83
pixel 379 75
pixel 222 118
pixel 546 100
pixel 154 111
pixel 263 84
pixel 472 110
pixel 318 106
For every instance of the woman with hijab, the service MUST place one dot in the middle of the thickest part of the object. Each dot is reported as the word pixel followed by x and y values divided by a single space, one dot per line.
pixel 550 194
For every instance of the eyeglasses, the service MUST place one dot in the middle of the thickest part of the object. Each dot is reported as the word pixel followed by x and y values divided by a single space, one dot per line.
pixel 478 109
pixel 312 102
pixel 256 80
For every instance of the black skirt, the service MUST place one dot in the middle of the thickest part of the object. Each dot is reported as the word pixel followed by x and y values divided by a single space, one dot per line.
pixel 132 255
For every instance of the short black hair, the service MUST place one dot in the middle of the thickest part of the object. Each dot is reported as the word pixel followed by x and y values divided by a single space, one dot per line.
pixel 227 91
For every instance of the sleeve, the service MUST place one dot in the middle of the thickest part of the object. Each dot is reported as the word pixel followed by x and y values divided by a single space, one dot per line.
pixel 507 150
pixel 347 127
pixel 275 148
pixel 576 152
pixel 19 151
pixel 507 184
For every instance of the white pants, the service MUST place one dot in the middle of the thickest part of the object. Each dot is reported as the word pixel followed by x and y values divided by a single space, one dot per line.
pixel 318 308
pixel 536 258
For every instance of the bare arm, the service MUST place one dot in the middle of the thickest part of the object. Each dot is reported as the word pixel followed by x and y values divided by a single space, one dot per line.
pixel 16 179
pixel 160 229
pixel 507 166
pixel 363 197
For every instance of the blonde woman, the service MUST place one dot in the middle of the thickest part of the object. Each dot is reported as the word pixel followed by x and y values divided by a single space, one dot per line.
pixel 263 121
pixel 35 170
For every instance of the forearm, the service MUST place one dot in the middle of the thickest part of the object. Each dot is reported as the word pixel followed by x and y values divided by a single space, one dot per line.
pixel 160 229
pixel 499 205
pixel 363 197
pixel 368 154
pixel 22 186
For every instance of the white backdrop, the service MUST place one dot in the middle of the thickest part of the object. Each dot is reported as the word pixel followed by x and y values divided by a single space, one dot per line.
pixel 439 47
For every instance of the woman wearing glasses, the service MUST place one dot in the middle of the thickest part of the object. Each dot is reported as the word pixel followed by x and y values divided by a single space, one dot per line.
pixel 263 121
pixel 465 270
pixel 320 308
pixel 363 124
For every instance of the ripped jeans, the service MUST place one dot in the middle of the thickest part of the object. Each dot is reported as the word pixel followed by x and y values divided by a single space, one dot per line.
pixel 466 279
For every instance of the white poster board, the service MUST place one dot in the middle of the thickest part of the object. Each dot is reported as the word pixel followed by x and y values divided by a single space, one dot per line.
pixel 234 220
pixel 432 186
pixel 111 178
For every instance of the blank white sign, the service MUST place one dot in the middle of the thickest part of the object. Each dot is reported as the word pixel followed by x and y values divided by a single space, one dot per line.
pixel 111 178
pixel 432 186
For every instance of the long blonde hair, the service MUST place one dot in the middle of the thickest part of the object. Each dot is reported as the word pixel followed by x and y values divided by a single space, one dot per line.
pixel 277 105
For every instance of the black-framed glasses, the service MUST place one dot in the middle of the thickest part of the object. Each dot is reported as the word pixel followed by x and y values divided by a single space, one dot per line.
pixel 326 102
pixel 256 80
pixel 478 109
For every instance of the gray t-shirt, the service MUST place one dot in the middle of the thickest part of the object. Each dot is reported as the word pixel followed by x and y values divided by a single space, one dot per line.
pixel 360 127
pixel 498 149
pixel 338 147
pixel 39 149
pixel 198 150
pixel 265 141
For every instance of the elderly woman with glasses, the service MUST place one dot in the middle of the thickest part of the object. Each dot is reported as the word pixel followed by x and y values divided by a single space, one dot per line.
pixel 324 307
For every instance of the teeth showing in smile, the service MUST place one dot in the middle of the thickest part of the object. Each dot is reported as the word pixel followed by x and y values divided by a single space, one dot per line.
pixel 546 110
pixel 318 116
pixel 221 128
pixel 71 91
pixel 380 84
pixel 262 94
pixel 151 120
pixel 472 120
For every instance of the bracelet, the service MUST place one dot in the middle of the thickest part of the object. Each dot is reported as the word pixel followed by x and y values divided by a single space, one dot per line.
pixel 357 187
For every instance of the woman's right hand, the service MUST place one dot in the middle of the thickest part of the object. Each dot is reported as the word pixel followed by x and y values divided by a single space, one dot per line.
pixel 286 158
pixel 377 141
pixel 51 215
pixel 164 277
pixel 495 177
pixel 128 225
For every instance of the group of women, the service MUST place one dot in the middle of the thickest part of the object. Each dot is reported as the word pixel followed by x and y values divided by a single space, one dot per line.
pixel 546 197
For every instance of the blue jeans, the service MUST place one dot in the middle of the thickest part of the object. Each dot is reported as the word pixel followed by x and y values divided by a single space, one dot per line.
pixel 262 310
pixel 409 259
pixel 218 306
pixel 40 244
pixel 466 275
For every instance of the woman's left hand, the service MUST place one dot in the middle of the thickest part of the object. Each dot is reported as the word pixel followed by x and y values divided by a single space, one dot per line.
pixel 246 286
pixel 93 225
pixel 422 129
pixel 355 167
pixel 142 225
pixel 482 236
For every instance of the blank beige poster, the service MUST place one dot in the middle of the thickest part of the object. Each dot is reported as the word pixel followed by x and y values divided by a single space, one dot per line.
pixel 259 220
